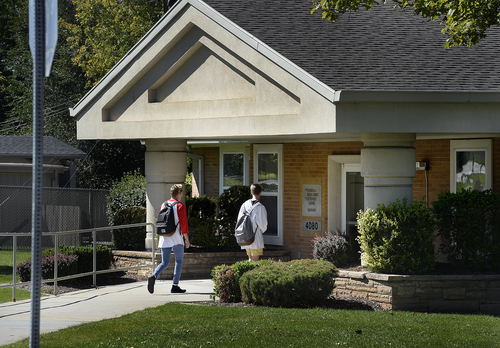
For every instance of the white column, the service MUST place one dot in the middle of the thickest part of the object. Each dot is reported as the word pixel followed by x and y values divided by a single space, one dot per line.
pixel 388 167
pixel 165 165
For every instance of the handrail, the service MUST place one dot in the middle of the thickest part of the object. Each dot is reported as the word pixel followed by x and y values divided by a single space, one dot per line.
pixel 94 272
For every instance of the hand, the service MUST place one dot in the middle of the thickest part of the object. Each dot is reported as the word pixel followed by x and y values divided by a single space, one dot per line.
pixel 187 245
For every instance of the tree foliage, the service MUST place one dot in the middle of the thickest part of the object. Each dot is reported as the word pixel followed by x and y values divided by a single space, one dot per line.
pixel 104 30
pixel 61 90
pixel 464 22
pixel 106 161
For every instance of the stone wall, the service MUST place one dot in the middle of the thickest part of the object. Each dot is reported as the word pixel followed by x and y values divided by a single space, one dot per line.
pixel 424 293
pixel 195 265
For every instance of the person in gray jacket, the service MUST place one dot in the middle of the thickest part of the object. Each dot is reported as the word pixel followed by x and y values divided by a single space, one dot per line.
pixel 259 219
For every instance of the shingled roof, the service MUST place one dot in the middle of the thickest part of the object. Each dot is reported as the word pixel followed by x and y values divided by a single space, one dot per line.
pixel 23 146
pixel 380 49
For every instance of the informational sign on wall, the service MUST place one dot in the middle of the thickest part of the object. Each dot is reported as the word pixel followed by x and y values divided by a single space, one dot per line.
pixel 311 200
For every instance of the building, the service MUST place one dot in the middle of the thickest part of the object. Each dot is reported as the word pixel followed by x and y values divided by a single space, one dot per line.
pixel 16 161
pixel 329 117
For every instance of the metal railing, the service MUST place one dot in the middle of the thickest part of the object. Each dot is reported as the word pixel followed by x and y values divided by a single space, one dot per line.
pixel 56 235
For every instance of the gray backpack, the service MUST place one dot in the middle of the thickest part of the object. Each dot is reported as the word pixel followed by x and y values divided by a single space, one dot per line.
pixel 245 231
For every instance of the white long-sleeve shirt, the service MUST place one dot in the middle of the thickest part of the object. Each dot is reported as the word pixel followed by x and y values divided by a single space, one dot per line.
pixel 259 221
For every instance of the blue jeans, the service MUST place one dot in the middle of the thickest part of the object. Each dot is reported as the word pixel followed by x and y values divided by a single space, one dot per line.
pixel 165 260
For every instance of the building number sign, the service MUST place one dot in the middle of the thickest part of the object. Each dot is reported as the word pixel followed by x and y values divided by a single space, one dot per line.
pixel 311 225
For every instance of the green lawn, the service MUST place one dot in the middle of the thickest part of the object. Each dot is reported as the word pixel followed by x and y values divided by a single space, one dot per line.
pixel 183 325
pixel 6 258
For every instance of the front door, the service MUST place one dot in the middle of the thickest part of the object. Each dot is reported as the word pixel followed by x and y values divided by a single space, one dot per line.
pixel 268 169
pixel 352 200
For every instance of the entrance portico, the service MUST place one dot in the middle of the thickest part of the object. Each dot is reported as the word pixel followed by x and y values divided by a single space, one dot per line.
pixel 197 76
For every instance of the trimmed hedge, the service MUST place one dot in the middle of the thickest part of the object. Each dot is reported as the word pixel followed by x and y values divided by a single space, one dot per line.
pixel 398 238
pixel 85 258
pixel 66 265
pixel 469 228
pixel 298 283
pixel 129 238
pixel 226 279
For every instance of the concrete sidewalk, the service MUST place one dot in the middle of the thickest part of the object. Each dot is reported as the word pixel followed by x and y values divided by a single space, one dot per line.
pixel 73 308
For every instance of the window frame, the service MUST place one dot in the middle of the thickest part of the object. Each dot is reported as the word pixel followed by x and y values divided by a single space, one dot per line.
pixel 471 145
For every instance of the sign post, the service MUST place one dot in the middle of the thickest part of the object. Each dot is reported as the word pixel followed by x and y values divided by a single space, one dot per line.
pixel 43 39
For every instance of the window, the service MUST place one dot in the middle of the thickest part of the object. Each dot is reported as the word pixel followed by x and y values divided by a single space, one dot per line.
pixel 471 165
pixel 233 166
pixel 232 169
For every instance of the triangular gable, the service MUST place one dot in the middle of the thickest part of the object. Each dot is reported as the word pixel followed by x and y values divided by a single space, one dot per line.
pixel 197 75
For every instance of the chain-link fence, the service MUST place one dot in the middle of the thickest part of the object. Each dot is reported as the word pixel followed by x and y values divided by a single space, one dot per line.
pixel 63 210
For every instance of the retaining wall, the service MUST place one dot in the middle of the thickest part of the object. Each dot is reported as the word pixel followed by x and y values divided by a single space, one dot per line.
pixel 195 265
pixel 424 293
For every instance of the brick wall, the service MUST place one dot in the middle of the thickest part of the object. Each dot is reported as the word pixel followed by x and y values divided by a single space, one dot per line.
pixel 437 153
pixel 211 169
pixel 307 163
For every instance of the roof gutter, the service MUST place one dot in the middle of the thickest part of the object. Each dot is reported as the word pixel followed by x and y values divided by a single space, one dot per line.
pixel 29 166
pixel 373 96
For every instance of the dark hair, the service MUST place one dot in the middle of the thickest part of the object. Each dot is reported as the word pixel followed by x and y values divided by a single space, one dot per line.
pixel 255 189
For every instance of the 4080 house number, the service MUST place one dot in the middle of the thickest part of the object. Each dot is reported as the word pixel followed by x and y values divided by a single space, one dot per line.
pixel 310 225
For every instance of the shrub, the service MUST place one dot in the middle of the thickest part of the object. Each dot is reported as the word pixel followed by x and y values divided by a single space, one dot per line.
pixel 130 238
pixel 469 228
pixel 201 207
pixel 229 204
pixel 203 226
pixel 298 283
pixel 48 252
pixel 66 265
pixel 230 201
pixel 333 247
pixel 129 191
pixel 85 258
pixel 226 279
pixel 204 233
pixel 398 238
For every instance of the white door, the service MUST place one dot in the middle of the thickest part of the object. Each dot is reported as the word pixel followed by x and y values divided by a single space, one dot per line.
pixel 268 172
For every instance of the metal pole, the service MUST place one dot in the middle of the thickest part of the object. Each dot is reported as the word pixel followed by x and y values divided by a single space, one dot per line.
pixel 36 221
pixel 56 262
pixel 154 246
pixel 14 248
pixel 94 257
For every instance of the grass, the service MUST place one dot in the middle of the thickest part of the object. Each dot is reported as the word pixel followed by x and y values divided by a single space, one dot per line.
pixel 6 258
pixel 183 325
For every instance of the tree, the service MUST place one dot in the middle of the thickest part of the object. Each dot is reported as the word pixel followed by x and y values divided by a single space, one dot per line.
pixel 104 30
pixel 465 21
pixel 106 161
pixel 61 90
pixel 6 43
